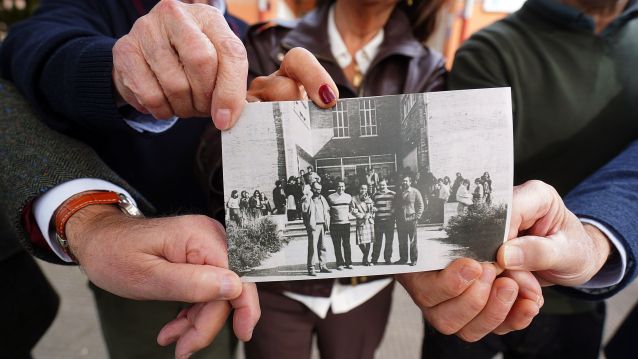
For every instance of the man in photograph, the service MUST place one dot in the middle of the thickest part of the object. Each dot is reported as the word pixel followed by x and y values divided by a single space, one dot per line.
pixel 372 179
pixel 340 225
pixel 316 218
pixel 383 222
pixel 409 208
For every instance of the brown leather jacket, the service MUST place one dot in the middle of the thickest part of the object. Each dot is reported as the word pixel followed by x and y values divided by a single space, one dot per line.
pixel 403 65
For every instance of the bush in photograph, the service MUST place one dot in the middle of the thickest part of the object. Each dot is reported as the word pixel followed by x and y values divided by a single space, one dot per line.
pixel 250 244
pixel 479 230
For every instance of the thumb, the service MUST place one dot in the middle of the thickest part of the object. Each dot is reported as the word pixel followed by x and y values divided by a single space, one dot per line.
pixel 193 283
pixel 553 259
pixel 529 253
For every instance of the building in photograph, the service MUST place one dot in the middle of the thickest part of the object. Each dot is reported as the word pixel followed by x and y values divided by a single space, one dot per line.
pixel 356 135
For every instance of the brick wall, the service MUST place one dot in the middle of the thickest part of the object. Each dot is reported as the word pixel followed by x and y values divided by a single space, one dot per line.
pixel 386 142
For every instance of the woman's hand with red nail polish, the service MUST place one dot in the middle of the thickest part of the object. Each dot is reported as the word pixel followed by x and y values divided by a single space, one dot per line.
pixel 299 77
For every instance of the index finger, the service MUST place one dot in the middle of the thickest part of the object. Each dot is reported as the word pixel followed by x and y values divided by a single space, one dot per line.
pixel 303 67
pixel 535 206
pixel 247 312
pixel 229 94
pixel 429 289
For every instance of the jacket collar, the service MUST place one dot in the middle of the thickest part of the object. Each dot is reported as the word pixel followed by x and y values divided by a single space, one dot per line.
pixel 568 16
pixel 311 33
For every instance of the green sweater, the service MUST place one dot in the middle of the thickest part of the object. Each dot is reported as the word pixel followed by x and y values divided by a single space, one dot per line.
pixel 575 93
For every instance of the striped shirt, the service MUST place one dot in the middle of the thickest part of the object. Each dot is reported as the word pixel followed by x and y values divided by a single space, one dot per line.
pixel 384 202
pixel 339 208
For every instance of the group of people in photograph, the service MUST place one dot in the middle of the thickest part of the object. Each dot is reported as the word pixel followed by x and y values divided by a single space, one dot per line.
pixel 331 205
pixel 374 216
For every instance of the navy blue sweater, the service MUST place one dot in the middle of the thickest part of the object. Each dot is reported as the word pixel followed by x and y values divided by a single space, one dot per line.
pixel 61 60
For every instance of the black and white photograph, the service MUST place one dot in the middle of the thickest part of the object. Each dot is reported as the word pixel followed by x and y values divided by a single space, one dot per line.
pixel 375 185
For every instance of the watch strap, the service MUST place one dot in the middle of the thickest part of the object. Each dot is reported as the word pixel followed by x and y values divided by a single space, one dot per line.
pixel 73 205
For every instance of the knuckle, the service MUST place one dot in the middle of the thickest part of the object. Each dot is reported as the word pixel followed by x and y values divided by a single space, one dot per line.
pixel 475 305
pixel 469 337
pixel 200 60
pixel 231 47
pixel 425 300
pixel 444 327
pixel 177 89
pixel 152 101
pixel 169 7
pixel 210 11
pixel 142 25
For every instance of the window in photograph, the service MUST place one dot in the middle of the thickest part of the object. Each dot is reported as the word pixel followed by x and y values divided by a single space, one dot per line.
pixel 340 120
pixel 368 115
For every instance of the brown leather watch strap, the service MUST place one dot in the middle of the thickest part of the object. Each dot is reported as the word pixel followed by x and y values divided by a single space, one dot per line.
pixel 74 204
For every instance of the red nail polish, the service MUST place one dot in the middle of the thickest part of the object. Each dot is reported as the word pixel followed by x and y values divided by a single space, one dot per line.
pixel 326 94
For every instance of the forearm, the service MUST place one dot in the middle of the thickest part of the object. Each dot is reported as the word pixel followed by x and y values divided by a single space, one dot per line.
pixel 61 60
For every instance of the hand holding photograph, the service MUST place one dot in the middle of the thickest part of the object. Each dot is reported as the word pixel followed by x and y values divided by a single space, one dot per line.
pixel 373 186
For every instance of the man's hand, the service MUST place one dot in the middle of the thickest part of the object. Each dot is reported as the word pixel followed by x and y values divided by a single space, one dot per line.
pixel 175 258
pixel 553 243
pixel 182 60
pixel 470 299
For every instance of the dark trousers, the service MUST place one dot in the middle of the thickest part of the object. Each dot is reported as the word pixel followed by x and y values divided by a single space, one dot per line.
pixel 340 234
pixel 29 305
pixel 549 336
pixel 383 228
pixel 286 328
pixel 624 343
pixel 130 328
pixel 407 238
pixel 365 250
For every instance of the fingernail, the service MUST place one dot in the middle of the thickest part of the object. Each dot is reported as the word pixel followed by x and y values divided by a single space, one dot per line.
pixel 326 94
pixel 222 118
pixel 469 273
pixel 185 356
pixel 513 256
pixel 227 286
pixel 506 295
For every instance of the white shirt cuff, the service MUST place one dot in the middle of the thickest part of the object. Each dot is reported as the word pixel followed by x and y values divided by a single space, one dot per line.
pixel 147 123
pixel 613 271
pixel 45 205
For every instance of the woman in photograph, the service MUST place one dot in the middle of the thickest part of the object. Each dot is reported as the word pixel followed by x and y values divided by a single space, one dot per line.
pixel 362 208
pixel 254 205
pixel 464 196
pixel 477 192
pixel 370 48
pixel 266 206
pixel 234 213
pixel 243 205
pixel 442 195
pixel 291 201
pixel 487 188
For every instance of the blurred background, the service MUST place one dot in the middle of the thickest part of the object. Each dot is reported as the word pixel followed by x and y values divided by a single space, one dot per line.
pixel 76 331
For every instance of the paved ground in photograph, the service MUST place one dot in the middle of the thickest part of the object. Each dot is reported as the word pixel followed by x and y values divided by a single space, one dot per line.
pixel 433 253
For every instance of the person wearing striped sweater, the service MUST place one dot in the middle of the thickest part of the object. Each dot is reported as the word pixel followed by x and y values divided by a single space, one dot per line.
pixel 383 222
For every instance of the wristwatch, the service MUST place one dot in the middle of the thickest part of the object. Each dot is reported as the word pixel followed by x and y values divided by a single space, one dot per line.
pixel 84 199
